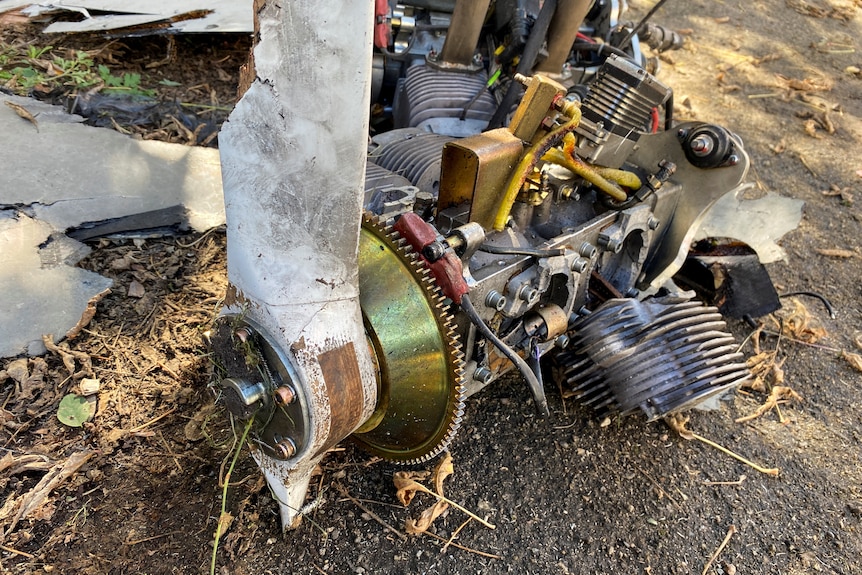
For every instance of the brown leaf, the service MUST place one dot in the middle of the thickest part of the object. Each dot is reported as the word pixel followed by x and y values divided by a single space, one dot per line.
pixel 854 359
pixel 811 128
pixel 407 485
pixel 421 525
pixel 224 521
pixel 794 320
pixel 678 422
pixel 780 147
pixel 835 253
pixel 24 113
pixel 779 393
pixel 443 470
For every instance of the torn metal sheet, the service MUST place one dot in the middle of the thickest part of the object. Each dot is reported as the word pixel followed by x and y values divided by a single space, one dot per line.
pixel 760 222
pixel 158 16
pixel 62 178
pixel 43 293
pixel 729 275
pixel 71 175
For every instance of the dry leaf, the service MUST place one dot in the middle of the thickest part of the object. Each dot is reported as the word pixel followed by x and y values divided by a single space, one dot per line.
pixel 779 393
pixel 845 194
pixel 854 359
pixel 224 521
pixel 421 525
pixel 443 470
pixel 835 253
pixel 780 147
pixel 24 113
pixel 811 129
pixel 678 422
pixel 407 485
pixel 136 289
pixel 794 320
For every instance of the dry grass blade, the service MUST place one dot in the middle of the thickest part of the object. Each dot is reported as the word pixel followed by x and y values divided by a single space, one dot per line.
pixel 31 500
pixel 678 423
pixel 731 530
pixel 341 489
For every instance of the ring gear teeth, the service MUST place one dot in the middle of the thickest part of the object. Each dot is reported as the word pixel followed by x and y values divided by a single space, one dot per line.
pixel 411 333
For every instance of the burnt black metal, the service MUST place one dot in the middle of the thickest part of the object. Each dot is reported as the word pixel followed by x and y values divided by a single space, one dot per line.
pixel 729 275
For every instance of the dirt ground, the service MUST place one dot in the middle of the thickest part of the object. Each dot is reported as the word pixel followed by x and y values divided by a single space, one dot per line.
pixel 137 489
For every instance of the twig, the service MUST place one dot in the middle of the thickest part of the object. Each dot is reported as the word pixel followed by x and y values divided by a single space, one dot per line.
pixel 721 547
pixel 50 481
pixel 154 537
pixel 319 569
pixel 16 552
pixel 807 167
pixel 677 423
pixel 455 534
pixel 482 553
pixel 423 489
pixel 168 447
pixel 737 482
pixel 799 341
pixel 199 240
pixel 374 516
pixel 658 486
pixel 760 96
pixel 773 472
pixel 152 421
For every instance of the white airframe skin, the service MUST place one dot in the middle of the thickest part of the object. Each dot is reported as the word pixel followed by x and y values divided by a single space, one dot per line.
pixel 293 162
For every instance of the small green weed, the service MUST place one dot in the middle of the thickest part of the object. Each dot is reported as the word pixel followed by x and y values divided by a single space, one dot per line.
pixel 23 69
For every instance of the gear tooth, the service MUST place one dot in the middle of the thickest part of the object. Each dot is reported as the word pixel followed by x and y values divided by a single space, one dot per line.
pixel 451 346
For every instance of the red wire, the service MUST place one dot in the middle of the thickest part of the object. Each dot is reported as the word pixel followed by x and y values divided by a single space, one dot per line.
pixel 655 120
pixel 585 38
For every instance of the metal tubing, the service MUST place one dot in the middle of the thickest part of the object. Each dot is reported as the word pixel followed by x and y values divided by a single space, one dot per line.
pixel 564 30
pixel 293 159
pixel 463 35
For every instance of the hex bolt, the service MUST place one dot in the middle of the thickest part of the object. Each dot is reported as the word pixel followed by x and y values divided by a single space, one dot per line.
pixel 284 395
pixel 562 341
pixel 588 250
pixel 632 293
pixel 495 300
pixel 702 145
pixel 483 375
pixel 653 223
pixel 580 265
pixel 285 448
